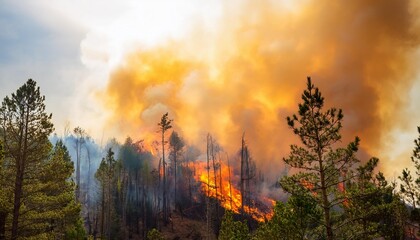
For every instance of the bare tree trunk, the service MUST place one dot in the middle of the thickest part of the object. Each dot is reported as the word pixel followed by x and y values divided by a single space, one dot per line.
pixel 208 187
pixel 144 209
pixel 165 213
pixel 213 157
pixel 326 203
pixel 103 211
pixel 220 177
pixel 230 182
pixel 109 207
pixel 17 199
pixel 242 174
pixel 77 170
pixel 189 180
pixel 3 216
pixel 88 192
pixel 175 168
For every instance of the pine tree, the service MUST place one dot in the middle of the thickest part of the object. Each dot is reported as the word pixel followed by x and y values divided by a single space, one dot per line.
pixel 371 209
pixel 79 141
pixel 164 125
pixel 4 205
pixel 105 175
pixel 410 187
pixel 176 144
pixel 61 210
pixel 232 229
pixel 321 166
pixel 295 219
pixel 24 129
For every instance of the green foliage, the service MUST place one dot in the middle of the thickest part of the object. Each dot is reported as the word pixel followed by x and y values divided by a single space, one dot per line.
pixel 154 234
pixel 371 209
pixel 176 142
pixel 165 123
pixel 320 166
pixel 297 219
pixel 106 176
pixel 106 169
pixel 231 229
pixel 76 232
pixel 410 186
pixel 38 197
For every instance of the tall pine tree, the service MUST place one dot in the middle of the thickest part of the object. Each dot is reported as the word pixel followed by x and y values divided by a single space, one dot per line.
pixel 321 166
pixel 106 176
pixel 25 127
pixel 39 198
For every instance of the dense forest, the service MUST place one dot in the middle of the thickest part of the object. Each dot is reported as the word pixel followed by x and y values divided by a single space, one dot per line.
pixel 71 187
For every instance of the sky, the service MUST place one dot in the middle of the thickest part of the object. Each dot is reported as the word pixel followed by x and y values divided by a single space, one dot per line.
pixel 220 67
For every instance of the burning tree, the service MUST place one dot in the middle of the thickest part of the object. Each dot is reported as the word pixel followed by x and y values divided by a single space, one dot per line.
pixel 247 174
pixel 321 166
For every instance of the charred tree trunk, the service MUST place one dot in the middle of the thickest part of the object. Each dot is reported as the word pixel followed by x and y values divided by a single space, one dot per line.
pixel 230 182
pixel 242 175
pixel 77 169
pixel 208 187
pixel 220 178
pixel 213 157
pixel 3 216
pixel 175 186
pixel 164 197
pixel 103 211
pixel 89 223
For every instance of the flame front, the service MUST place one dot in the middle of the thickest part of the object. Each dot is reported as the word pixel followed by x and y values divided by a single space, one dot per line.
pixel 221 187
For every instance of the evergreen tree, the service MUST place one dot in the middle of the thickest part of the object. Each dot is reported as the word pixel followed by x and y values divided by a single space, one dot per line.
pixel 63 210
pixel 410 187
pixel 105 175
pixel 164 125
pixel 4 203
pixel 321 166
pixel 176 144
pixel 295 219
pixel 232 229
pixel 79 141
pixel 154 234
pixel 24 130
pixel 371 209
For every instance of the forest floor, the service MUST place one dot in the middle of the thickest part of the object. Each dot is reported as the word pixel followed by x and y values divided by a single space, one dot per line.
pixel 185 228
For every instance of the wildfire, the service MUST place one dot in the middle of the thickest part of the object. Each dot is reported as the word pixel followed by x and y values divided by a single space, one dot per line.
pixel 308 185
pixel 228 195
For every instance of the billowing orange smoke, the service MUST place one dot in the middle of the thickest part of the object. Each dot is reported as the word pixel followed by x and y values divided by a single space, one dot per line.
pixel 228 195
pixel 247 74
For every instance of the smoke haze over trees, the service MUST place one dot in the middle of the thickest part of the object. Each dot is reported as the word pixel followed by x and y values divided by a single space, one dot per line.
pixel 135 190
pixel 198 123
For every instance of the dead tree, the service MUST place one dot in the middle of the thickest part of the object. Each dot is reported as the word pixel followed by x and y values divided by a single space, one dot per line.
pixel 246 176
pixel 208 186
pixel 79 141
pixel 230 182
pixel 164 125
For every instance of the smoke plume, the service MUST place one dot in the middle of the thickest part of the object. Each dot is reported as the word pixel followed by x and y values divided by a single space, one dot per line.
pixel 247 74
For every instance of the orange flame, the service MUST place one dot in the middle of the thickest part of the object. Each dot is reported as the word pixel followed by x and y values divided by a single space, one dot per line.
pixel 308 185
pixel 227 194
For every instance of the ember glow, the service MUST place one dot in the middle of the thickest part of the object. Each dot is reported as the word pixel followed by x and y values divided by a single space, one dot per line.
pixel 230 196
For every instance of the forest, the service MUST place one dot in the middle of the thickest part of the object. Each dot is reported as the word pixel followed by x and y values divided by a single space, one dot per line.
pixel 69 186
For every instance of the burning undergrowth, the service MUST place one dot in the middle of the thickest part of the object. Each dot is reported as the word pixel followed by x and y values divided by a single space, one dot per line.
pixel 220 185
pixel 235 184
